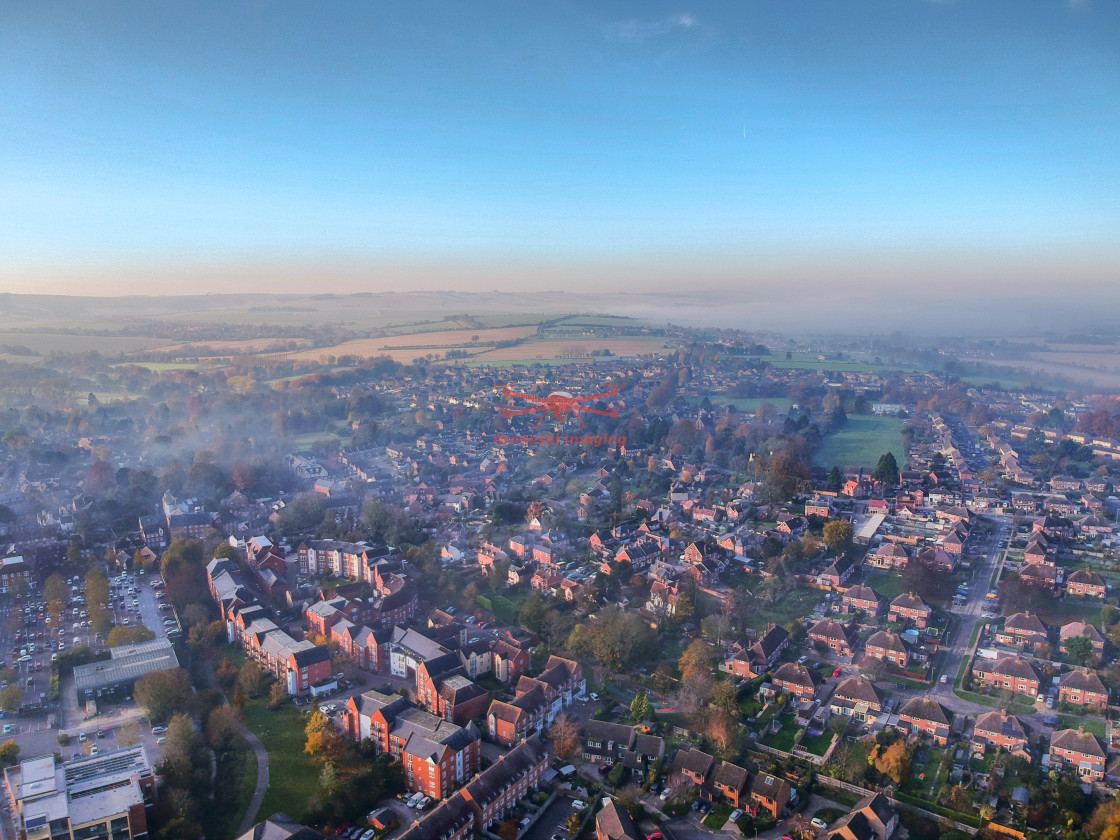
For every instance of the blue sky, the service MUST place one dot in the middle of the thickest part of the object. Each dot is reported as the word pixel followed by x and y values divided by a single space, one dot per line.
pixel 520 143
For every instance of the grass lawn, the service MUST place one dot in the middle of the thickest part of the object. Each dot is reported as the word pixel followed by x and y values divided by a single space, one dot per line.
pixel 887 585
pixel 1095 727
pixel 293 778
pixel 1019 704
pixel 748 405
pixel 783 739
pixel 1066 611
pixel 817 744
pixel 861 441
pixel 927 787
pixel 798 603
pixel 716 819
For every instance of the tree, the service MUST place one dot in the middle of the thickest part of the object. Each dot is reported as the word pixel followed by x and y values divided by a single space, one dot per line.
pixel 129 635
pixel 663 678
pixel 11 698
pixel 564 733
pixel 128 735
pixel 163 693
pixel 614 778
pixel 725 699
pixel 1104 823
pixel 276 695
pixel 894 762
pixel 508 830
pixel 223 727
pixel 252 679
pixel 573 824
pixel 9 753
pixel 696 660
pixel 960 798
pixel 838 534
pixel 886 471
pixel 531 616
pixel 56 589
pixel 1079 650
pixel 835 480
pixel 226 675
pixel 324 742
pixel 640 708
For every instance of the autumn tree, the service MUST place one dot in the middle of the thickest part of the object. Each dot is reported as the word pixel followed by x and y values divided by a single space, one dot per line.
pixel 837 534
pixel 130 635
pixel 324 742
pixel 894 762
pixel 276 695
pixel 564 733
pixel 56 589
pixel 725 699
pixel 696 660
pixel 9 753
pixel 1104 823
pixel 640 708
pixel 11 698
pixel 252 679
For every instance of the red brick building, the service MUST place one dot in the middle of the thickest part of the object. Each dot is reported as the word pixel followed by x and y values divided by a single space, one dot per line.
pixel 1085 583
pixel 1080 751
pixel 1083 688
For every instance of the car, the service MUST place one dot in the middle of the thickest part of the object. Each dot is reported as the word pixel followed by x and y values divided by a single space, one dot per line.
pixel 83 737
pixel 735 815
pixel 944 679
pixel 802 660
pixel 7 729
pixel 94 750
pixel 424 803
pixel 160 739
pixel 367 834
pixel 578 804
pixel 100 733
pixel 838 672
pixel 158 730
pixel 665 794
pixel 1050 720
pixel 1049 702
pixel 657 835
pixel 817 822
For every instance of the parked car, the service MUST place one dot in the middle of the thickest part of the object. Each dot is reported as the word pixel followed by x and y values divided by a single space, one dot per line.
pixel 158 730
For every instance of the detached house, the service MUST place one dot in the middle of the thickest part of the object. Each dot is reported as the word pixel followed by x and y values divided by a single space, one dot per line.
pixel 909 608
pixel 759 657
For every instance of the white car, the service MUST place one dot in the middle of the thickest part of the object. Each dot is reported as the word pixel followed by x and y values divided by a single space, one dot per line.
pixel 665 794
pixel 578 804
pixel 817 822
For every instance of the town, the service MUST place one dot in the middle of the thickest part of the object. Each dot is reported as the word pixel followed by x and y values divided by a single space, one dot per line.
pixel 703 623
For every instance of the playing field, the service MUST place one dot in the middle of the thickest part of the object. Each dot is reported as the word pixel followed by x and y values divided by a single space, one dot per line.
pixel 860 443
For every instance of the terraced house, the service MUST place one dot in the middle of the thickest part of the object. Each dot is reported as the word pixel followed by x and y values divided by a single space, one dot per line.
pixel 493 794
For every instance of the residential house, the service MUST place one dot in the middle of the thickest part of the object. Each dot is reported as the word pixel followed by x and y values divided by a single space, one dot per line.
pixel 1009 673
pixel 887 646
pixel 769 794
pixel 1002 731
pixel 1081 628
pixel 1080 751
pixel 871 818
pixel 857 697
pixel 837 637
pixel 909 608
pixel 928 717
pixel 1023 630
pixel 1085 583
pixel 1083 688
pixel 760 657
pixel 613 823
pixel 861 598
pixel 494 793
pixel 796 679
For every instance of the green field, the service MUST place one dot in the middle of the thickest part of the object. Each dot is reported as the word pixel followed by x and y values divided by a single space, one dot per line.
pixel 748 405
pixel 292 776
pixel 860 443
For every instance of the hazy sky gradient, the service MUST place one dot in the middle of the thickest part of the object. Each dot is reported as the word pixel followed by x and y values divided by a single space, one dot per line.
pixel 144 145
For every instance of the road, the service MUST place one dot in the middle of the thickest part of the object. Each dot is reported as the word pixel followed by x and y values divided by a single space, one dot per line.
pixel 968 615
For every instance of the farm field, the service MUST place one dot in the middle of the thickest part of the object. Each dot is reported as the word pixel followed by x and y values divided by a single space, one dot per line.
pixel 861 442
pixel 107 345
pixel 405 347
pixel 279 344
pixel 809 361
pixel 1104 375
pixel 532 351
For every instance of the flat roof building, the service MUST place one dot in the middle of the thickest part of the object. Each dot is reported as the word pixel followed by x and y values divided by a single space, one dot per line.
pixel 128 664
pixel 101 797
